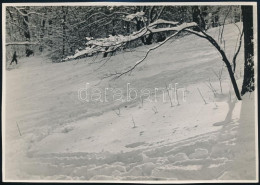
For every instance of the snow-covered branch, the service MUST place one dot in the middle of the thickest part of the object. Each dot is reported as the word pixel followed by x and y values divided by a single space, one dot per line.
pixel 21 43
pixel 137 15
pixel 161 21
pixel 178 29
pixel 27 13
pixel 114 42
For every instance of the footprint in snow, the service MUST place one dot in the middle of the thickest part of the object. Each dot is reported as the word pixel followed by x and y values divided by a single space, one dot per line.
pixel 67 129
pixel 133 145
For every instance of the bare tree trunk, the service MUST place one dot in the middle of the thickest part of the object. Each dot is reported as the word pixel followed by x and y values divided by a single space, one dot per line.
pixel 64 12
pixel 147 40
pixel 196 16
pixel 26 26
pixel 228 65
pixel 27 33
pixel 248 82
pixel 42 34
pixel 139 26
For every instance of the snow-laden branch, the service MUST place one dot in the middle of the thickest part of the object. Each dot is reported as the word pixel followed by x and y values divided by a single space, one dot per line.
pixel 147 53
pixel 114 42
pixel 21 43
pixel 137 15
pixel 205 36
pixel 22 14
pixel 27 13
pixel 161 21
pixel 178 29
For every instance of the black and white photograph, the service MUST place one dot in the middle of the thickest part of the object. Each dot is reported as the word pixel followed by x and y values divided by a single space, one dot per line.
pixel 130 92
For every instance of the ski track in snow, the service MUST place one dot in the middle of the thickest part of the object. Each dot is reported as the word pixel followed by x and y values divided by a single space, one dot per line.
pixel 190 159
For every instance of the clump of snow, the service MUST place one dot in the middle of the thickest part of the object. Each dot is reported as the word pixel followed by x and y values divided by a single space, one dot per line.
pixel 178 157
pixel 67 129
pixel 137 15
pixel 199 153
pixel 89 38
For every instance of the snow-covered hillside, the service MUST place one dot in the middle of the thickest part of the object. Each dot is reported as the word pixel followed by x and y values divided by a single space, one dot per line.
pixel 64 138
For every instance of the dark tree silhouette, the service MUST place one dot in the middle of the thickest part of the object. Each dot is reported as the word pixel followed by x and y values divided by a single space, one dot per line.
pixel 248 82
pixel 198 18
pixel 64 12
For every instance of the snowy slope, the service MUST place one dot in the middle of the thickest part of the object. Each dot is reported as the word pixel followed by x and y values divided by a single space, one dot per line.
pixel 63 138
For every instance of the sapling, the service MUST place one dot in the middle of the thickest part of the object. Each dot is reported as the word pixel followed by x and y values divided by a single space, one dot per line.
pixel 210 86
pixel 18 129
pixel 155 110
pixel 169 95
pixel 177 97
pixel 215 102
pixel 216 105
pixel 202 96
pixel 117 113
pixel 142 102
pixel 219 76
pixel 133 122
pixel 230 98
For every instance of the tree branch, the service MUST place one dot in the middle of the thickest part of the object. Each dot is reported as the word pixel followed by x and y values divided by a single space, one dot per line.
pixel 21 43
pixel 114 42
pixel 221 36
pixel 182 27
pixel 196 33
pixel 18 26
pixel 98 13
pixel 28 13
pixel 238 49
pixel 160 13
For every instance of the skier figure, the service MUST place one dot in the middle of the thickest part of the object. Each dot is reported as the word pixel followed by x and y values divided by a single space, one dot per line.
pixel 14 58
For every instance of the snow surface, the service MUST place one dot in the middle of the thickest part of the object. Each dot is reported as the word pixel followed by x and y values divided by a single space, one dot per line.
pixel 63 138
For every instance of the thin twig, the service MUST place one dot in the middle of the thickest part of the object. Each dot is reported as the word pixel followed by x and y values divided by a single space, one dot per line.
pixel 210 86
pixel 117 113
pixel 133 122
pixel 169 95
pixel 219 76
pixel 155 110
pixel 202 96
pixel 238 49
pixel 142 101
pixel 103 63
pixel 149 50
pixel 177 97
pixel 221 36
pixel 18 129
